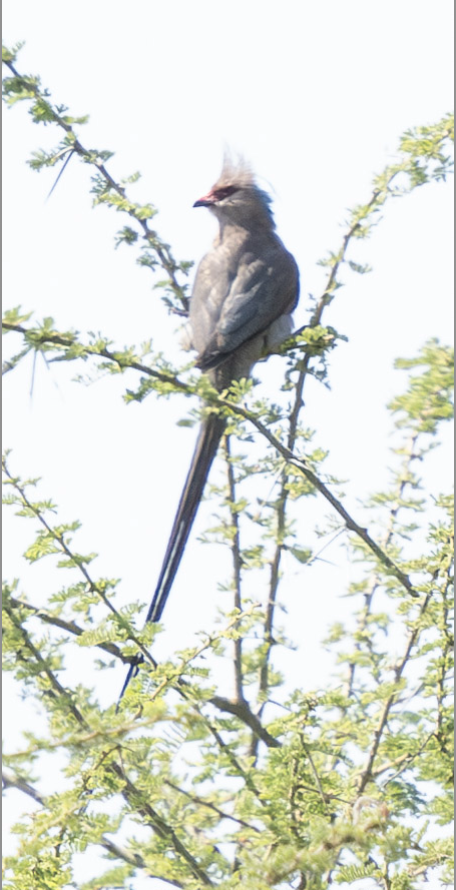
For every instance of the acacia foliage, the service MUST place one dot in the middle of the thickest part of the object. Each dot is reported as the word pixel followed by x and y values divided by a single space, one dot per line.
pixel 274 787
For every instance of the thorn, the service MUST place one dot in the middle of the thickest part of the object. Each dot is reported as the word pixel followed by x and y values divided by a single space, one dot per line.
pixel 61 171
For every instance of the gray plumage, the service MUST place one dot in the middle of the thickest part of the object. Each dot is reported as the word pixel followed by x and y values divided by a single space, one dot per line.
pixel 245 289
pixel 246 286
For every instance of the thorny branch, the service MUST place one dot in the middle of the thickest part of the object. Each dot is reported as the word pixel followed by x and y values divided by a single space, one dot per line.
pixel 301 465
pixel 132 794
pixel 69 626
pixel 210 806
pixel 374 582
pixel 60 541
pixel 40 338
pixel 296 461
pixel 132 858
pixel 366 774
pixel 443 668
pixel 161 249
pixel 239 709
pixel 325 299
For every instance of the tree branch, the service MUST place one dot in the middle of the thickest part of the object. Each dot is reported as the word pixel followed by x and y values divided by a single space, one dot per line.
pixel 93 158
pixel 10 781
pixel 375 580
pixel 366 775
pixel 211 806
pixel 243 712
pixel 236 557
pixel 325 299
pixel 40 338
pixel 69 626
pixel 301 465
pixel 130 792
pixel 60 541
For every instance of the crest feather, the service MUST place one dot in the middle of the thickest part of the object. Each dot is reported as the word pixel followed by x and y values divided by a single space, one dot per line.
pixel 236 171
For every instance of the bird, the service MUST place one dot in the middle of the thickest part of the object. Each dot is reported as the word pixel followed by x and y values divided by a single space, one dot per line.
pixel 244 292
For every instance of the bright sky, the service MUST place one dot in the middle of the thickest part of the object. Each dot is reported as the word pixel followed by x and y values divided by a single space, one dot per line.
pixel 316 96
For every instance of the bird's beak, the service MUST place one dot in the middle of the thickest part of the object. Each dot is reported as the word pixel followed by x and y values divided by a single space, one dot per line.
pixel 206 201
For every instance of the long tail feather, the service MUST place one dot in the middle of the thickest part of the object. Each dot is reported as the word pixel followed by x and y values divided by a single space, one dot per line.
pixel 206 448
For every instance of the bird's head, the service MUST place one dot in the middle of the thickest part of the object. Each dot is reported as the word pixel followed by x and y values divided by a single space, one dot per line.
pixel 237 198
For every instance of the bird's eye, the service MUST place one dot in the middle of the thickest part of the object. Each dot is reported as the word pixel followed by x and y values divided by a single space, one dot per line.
pixel 225 192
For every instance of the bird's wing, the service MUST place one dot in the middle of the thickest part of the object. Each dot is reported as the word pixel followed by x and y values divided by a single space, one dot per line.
pixel 262 290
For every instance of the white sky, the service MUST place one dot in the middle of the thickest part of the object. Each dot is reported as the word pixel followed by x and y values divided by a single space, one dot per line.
pixel 316 96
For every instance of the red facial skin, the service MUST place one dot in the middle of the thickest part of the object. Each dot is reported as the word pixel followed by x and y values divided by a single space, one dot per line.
pixel 215 195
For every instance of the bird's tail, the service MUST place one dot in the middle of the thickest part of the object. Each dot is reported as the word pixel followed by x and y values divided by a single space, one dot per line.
pixel 206 448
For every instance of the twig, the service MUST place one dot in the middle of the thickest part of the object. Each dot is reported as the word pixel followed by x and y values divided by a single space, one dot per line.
pixel 40 338
pixel 211 806
pixel 69 626
pixel 162 250
pixel 301 465
pixel 59 539
pixel 324 301
pixel 133 795
pixel 314 771
pixel 130 792
pixel 366 775
pixel 10 781
pixel 374 582
pixel 236 557
pixel 250 784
